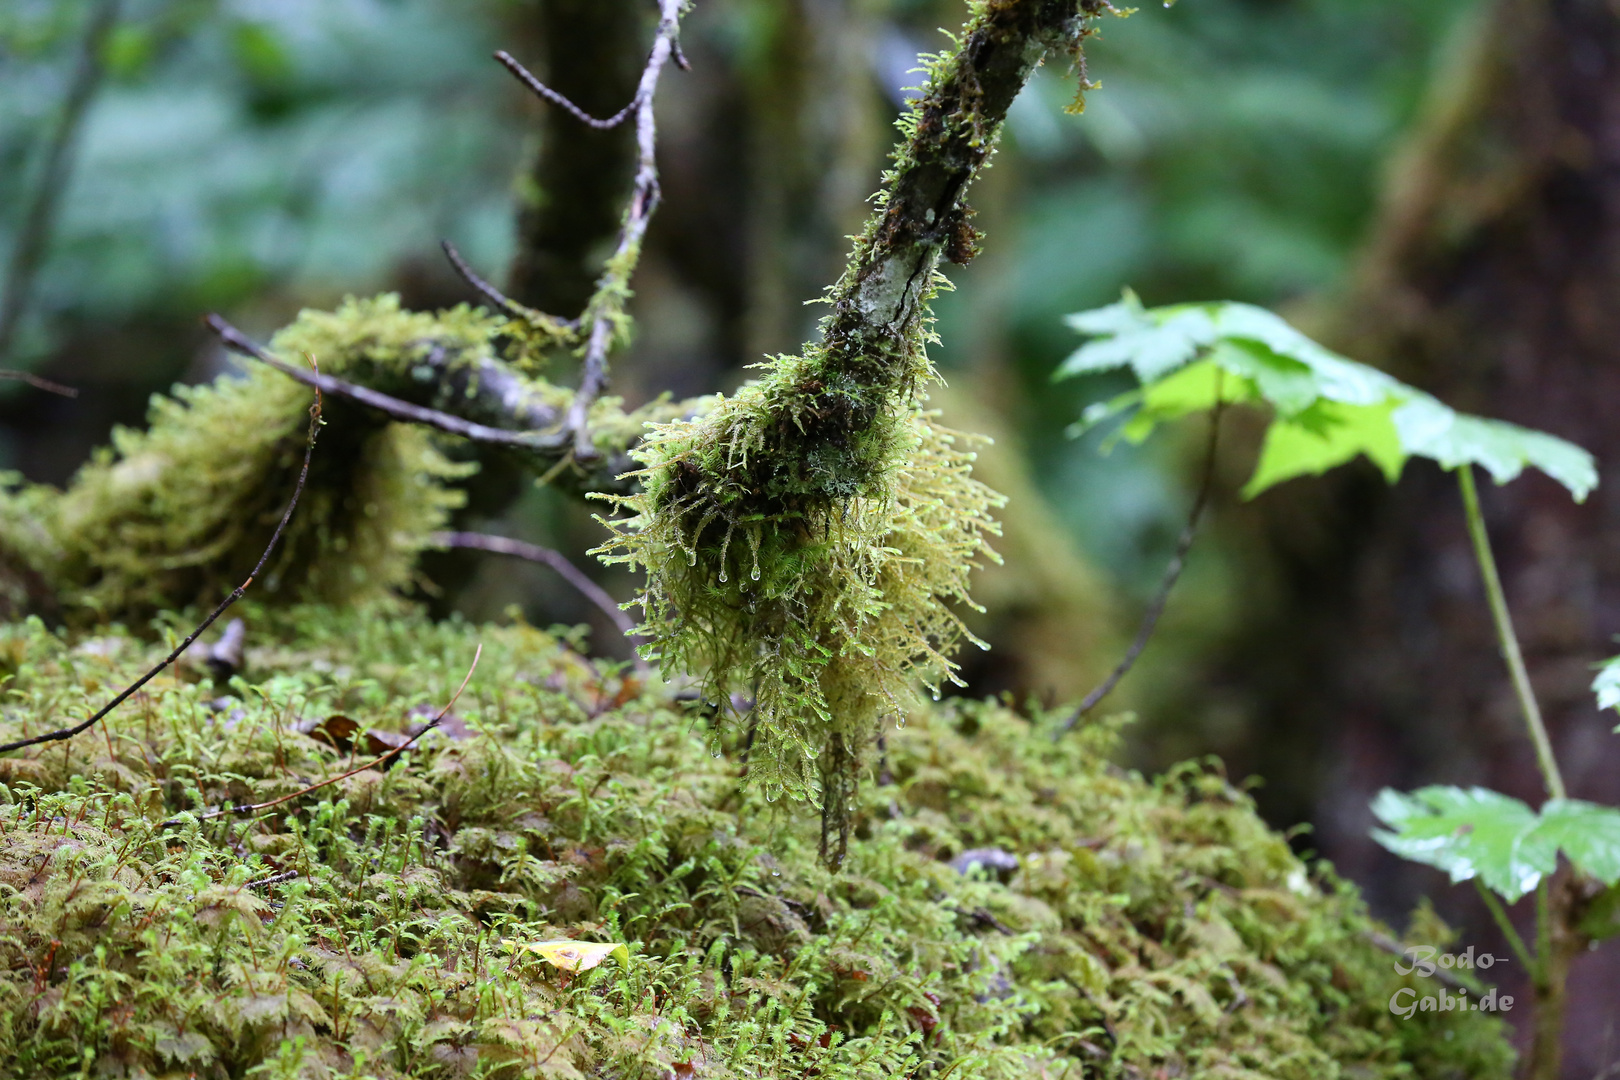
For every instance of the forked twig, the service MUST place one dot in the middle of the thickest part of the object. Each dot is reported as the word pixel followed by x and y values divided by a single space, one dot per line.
pixel 606 307
pixel 236 594
pixel 502 545
pixel 38 383
pixel 1172 573
pixel 384 403
pixel 254 808
pixel 644 198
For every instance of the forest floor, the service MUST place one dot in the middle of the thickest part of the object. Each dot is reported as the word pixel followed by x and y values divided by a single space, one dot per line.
pixel 1009 907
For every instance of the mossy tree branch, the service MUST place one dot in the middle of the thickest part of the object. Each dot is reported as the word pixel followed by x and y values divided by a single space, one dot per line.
pixel 483 399
pixel 855 517
pixel 872 342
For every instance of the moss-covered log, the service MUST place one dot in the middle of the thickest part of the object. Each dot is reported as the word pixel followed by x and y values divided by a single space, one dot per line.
pixel 1006 910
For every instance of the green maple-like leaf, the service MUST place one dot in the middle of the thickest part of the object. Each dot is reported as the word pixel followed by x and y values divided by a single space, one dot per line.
pixel 1587 834
pixel 1465 833
pixel 1508 846
pixel 1326 409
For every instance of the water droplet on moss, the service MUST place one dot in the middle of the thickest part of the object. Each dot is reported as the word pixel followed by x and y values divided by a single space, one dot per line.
pixel 722 575
pixel 755 574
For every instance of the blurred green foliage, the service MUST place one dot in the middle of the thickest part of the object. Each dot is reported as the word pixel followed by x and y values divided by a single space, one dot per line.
pixel 244 148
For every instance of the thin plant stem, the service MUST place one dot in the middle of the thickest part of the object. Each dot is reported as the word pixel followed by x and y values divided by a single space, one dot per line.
pixel 1505 636
pixel 1499 913
pixel 1544 930
pixel 64 734
pixel 382 759
pixel 1172 574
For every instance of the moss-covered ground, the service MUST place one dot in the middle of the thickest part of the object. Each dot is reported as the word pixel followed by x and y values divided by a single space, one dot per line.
pixel 1151 928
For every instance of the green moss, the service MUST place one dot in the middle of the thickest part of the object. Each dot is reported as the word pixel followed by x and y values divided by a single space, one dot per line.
pixel 182 510
pixel 1152 928
pixel 825 618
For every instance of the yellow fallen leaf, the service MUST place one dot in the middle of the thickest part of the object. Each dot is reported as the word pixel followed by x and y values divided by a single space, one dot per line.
pixel 574 955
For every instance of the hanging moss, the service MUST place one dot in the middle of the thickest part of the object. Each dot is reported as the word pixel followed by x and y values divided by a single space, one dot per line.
pixel 826 622
pixel 860 518
pixel 1135 928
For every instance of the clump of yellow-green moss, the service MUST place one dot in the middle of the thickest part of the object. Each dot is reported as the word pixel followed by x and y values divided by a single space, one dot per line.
pixel 1123 928
pixel 825 619
pixel 805 541
pixel 182 510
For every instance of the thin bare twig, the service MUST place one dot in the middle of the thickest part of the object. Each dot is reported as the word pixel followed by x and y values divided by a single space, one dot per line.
pixel 383 403
pixel 1394 948
pixel 484 288
pixel 570 573
pixel 34 236
pixel 607 306
pixel 526 77
pixel 382 759
pixel 1172 573
pixel 236 594
pixel 38 383
pixel 562 331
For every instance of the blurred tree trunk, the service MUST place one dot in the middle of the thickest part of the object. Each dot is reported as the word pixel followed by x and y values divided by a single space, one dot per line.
pixel 1492 279
pixel 816 142
pixel 591 52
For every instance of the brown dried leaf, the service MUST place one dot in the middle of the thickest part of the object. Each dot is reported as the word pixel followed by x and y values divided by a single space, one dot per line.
pixel 336 731
pixel 380 742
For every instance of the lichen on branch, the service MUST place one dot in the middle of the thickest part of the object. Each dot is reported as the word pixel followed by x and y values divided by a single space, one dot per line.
pixel 804 541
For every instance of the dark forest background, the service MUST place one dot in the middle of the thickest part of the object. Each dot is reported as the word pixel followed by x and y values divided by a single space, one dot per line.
pixel 1434 188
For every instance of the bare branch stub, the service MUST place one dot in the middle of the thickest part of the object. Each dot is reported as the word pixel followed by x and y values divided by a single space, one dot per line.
pixel 236 594
pixel 558 329
pixel 482 287
pixel 606 307
pixel 527 78
pixel 502 545
pixel 39 383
